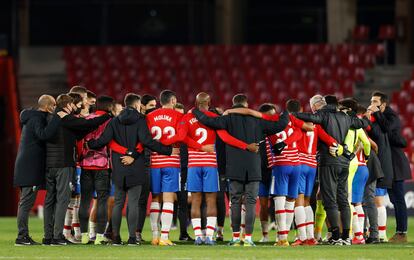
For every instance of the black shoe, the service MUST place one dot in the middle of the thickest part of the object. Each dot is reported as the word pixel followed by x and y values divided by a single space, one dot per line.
pixel 117 241
pixel 372 240
pixel 335 242
pixel 60 242
pixel 46 241
pixel 186 237
pixel 219 238
pixel 132 241
pixel 25 241
pixel 139 238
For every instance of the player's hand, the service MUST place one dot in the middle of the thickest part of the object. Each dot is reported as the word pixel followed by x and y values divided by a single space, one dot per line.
pixel 62 114
pixel 253 147
pixel 68 109
pixel 336 150
pixel 208 148
pixel 175 151
pixel 278 148
pixel 127 160
pixel 373 108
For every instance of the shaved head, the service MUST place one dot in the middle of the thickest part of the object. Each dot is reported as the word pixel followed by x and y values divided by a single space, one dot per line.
pixel 203 100
pixel 46 103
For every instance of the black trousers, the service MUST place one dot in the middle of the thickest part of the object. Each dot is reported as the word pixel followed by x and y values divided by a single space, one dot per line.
pixel 221 202
pixel 59 190
pixel 99 181
pixel 143 201
pixel 370 209
pixel 26 202
pixel 400 208
pixel 182 205
pixel 334 191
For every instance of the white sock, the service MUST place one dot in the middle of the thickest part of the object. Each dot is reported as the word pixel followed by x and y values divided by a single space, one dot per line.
pixel 211 226
pixel 265 228
pixel 75 219
pixel 382 222
pixel 281 217
pixel 166 219
pixel 231 225
pixel 356 227
pixel 92 227
pixel 248 237
pixel 300 220
pixel 67 228
pixel 243 219
pixel 361 216
pixel 155 212
pixel 290 212
pixel 197 227
pixel 310 222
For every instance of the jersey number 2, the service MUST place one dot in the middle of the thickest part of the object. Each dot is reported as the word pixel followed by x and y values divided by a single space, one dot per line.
pixel 170 131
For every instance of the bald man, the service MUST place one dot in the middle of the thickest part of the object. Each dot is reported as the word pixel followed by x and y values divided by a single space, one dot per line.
pixel 202 177
pixel 29 171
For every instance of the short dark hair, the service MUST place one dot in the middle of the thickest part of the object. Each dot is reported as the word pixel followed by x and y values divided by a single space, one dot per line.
pixel 146 98
pixel 63 100
pixel 166 96
pixel 90 94
pixel 293 105
pixel 131 98
pixel 239 99
pixel 382 95
pixel 179 106
pixel 361 109
pixel 350 103
pixel 78 89
pixel 331 100
pixel 104 103
pixel 77 98
pixel 266 107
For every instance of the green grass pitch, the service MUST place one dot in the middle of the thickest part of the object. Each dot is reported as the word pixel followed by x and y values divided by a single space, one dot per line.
pixel 189 251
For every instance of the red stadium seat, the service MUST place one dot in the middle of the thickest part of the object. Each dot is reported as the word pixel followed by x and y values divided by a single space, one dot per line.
pixel 360 33
pixel 387 32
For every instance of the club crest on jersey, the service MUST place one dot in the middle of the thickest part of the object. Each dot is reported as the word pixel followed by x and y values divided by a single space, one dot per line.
pixel 163 117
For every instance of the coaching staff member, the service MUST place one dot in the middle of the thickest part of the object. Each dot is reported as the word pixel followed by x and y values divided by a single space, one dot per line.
pixel 333 171
pixel 29 170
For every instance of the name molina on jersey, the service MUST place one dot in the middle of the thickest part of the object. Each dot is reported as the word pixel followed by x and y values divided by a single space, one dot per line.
pixel 163 117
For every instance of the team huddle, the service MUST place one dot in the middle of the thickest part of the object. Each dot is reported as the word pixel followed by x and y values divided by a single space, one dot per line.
pixel 100 153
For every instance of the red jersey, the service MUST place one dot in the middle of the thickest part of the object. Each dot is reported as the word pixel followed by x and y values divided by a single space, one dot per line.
pixel 162 124
pixel 361 158
pixel 202 135
pixel 308 145
pixel 269 153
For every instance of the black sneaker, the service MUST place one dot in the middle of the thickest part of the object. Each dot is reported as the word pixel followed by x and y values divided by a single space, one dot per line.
pixel 117 241
pixel 335 242
pixel 132 241
pixel 139 238
pixel 346 242
pixel 25 241
pixel 186 237
pixel 372 240
pixel 60 242
pixel 46 241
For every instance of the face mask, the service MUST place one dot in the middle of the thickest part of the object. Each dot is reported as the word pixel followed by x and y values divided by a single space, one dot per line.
pixel 92 108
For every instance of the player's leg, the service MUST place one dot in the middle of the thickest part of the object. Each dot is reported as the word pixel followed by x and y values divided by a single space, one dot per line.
pixel 279 189
pixel 264 211
pixel 194 185
pixel 343 204
pixel 221 209
pixel 155 207
pixel 143 201
pixel 87 188
pixel 49 208
pixel 310 183
pixel 170 184
pixel 101 185
pixel 292 196
pixel 110 206
pixel 358 185
pixel 210 189
pixel 76 204
pixel 382 214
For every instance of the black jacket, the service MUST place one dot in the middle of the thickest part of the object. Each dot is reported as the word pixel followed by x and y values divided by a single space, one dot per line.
pixel 243 165
pixel 29 169
pixel 374 168
pixel 336 124
pixel 61 148
pixel 128 129
pixel 221 156
pixel 378 134
pixel 400 163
